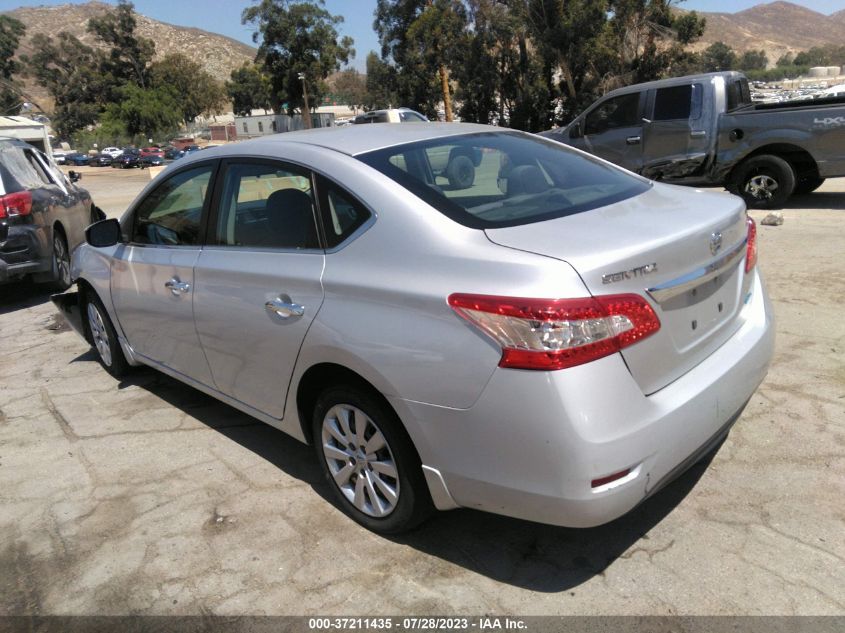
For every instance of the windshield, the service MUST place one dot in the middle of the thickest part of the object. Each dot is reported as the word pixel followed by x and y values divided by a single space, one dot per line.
pixel 499 179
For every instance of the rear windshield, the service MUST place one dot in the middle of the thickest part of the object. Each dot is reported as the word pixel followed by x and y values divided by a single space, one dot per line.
pixel 500 179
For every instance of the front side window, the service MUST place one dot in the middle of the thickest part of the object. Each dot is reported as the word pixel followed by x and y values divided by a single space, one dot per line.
pixel 267 206
pixel 678 102
pixel 499 179
pixel 618 112
pixel 171 215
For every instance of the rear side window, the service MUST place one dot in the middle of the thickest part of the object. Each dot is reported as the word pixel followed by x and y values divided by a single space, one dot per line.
pixel 171 215
pixel 678 102
pixel 500 179
pixel 739 94
pixel 342 213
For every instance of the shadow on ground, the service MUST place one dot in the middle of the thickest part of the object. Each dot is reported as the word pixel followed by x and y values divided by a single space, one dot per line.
pixel 23 294
pixel 527 555
pixel 820 200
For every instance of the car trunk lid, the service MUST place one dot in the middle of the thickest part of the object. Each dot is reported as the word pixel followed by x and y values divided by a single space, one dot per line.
pixel 680 249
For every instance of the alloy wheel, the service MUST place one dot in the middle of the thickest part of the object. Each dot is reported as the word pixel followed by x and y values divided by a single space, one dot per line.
pixel 761 187
pixel 99 334
pixel 360 460
pixel 62 260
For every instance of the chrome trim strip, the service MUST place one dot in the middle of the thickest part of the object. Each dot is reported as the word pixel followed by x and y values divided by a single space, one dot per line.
pixel 680 285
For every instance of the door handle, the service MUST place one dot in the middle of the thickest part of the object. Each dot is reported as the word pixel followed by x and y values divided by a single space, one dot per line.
pixel 698 134
pixel 633 140
pixel 284 308
pixel 177 287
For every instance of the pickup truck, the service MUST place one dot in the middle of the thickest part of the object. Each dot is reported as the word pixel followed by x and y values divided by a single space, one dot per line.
pixel 704 130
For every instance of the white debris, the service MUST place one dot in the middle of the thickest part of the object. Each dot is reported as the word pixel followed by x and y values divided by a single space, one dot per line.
pixel 775 218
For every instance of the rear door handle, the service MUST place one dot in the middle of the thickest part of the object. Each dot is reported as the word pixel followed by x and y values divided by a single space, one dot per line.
pixel 698 134
pixel 633 140
pixel 284 307
pixel 177 287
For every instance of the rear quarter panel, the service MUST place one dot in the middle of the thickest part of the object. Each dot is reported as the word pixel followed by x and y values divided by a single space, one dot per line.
pixel 819 130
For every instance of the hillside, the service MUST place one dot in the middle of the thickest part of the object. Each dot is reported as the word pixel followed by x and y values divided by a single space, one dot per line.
pixel 776 27
pixel 218 54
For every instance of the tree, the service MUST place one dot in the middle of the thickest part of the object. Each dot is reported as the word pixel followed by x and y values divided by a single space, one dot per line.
pixel 436 38
pixel 11 32
pixel 351 88
pixel 70 71
pixel 145 112
pixel 129 55
pixel 249 89
pixel 753 60
pixel 196 91
pixel 816 56
pixel 787 59
pixel 299 49
pixel 381 83
pixel 717 57
pixel 415 85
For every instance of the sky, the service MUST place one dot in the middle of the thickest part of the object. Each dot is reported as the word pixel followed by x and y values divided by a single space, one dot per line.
pixel 224 16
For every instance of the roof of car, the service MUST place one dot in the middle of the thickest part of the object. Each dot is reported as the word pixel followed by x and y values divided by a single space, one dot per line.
pixel 358 139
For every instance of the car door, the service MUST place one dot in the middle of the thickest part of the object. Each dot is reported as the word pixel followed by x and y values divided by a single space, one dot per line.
pixel 613 130
pixel 259 280
pixel 675 140
pixel 152 279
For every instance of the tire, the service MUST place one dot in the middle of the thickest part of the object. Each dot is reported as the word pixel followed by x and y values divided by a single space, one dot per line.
pixel 102 336
pixel 808 184
pixel 765 182
pixel 61 279
pixel 461 172
pixel 393 496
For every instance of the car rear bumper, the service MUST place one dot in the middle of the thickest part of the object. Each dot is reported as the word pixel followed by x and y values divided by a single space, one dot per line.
pixel 23 250
pixel 534 442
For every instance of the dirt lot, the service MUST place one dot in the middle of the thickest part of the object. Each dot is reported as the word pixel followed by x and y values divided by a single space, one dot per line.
pixel 147 497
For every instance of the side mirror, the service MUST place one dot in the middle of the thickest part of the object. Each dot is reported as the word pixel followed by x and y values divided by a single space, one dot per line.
pixel 575 130
pixel 74 176
pixel 103 233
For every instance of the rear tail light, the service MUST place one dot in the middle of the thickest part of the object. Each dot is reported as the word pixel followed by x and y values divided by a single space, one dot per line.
pixel 12 204
pixel 548 334
pixel 751 248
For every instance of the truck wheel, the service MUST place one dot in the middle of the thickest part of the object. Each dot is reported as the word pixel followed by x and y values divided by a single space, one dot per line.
pixel 461 172
pixel 765 181
pixel 808 184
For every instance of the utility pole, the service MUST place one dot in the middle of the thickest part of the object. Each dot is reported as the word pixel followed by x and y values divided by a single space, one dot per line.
pixel 306 111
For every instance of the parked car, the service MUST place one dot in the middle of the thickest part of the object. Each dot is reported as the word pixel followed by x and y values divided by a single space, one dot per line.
pixel 705 130
pixel 393 115
pixel 173 153
pixel 129 158
pixel 151 151
pixel 59 156
pixel 77 159
pixel 114 152
pixel 43 216
pixel 100 160
pixel 555 342
pixel 190 149
pixel 152 160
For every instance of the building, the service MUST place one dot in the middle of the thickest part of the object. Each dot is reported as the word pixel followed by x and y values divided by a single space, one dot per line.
pixel 25 129
pixel 264 124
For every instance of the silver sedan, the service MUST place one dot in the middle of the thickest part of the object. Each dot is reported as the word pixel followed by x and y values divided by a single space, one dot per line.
pixel 453 315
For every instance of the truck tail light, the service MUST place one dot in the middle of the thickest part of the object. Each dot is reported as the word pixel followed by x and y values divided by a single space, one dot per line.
pixel 751 248
pixel 12 204
pixel 549 334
